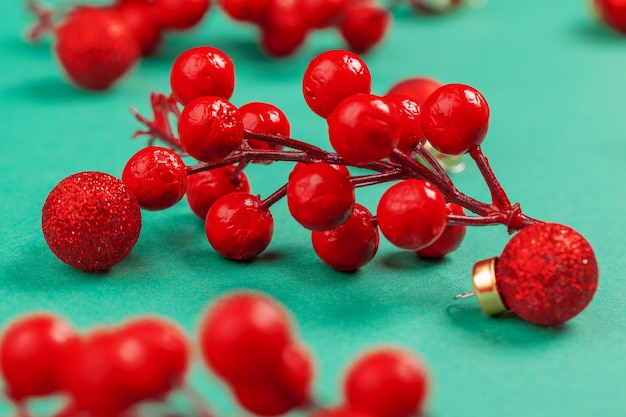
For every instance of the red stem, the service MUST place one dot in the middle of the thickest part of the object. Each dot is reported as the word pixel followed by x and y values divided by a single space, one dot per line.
pixel 498 195
pixel 274 197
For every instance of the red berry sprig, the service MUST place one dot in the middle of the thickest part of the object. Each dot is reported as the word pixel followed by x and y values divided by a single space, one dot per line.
pixel 612 13
pixel 97 45
pixel 247 339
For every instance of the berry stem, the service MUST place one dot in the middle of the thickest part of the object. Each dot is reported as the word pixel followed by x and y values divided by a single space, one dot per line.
pixel 45 20
pixel 372 179
pixel 498 195
pixel 430 159
pixel 160 128
pixel 196 400
pixel 274 197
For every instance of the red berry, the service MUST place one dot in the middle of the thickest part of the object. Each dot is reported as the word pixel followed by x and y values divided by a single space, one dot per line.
pixel 30 351
pixel 418 88
pixel 180 14
pixel 455 118
pixel 333 76
pixel 387 383
pixel 341 168
pixel 322 13
pixel 343 411
pixel 320 197
pixel 412 214
pixel 141 19
pixel 449 240
pixel 296 374
pixel 238 226
pixel 264 118
pixel 210 128
pixel 95 47
pixel 91 221
pixel 243 337
pixel 350 245
pixel 157 177
pixel 364 128
pixel 410 126
pixel 612 13
pixel 363 25
pixel 284 29
pixel 202 71
pixel 246 10
pixel 204 188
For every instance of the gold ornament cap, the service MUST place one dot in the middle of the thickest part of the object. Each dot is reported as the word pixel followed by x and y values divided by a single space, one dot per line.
pixel 485 289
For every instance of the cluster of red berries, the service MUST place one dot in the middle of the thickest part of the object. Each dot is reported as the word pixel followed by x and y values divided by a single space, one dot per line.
pixel 96 45
pixel 612 13
pixel 284 25
pixel 247 339
pixel 422 212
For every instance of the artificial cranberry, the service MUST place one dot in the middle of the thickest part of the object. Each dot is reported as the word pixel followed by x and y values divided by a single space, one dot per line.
pixel 91 375
pixel 350 245
pixel 363 25
pixel 264 118
pixel 455 118
pixel 322 13
pixel 205 187
pixel 332 76
pixel 364 128
pixel 387 383
pixel 417 88
pixel 410 127
pixel 30 351
pixel 263 398
pixel 210 128
pixel 202 71
pixel 238 226
pixel 612 13
pixel 246 10
pixel 157 177
pixel 140 17
pixel 243 337
pixel 449 240
pixel 284 29
pixel 95 47
pixel 320 197
pixel 180 14
pixel 341 168
pixel 296 373
pixel 412 214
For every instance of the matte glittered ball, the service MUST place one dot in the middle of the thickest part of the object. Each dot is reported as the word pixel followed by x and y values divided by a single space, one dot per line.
pixel 91 221
pixel 547 274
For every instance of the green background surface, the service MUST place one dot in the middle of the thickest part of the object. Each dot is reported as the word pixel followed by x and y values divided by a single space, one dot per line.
pixel 556 85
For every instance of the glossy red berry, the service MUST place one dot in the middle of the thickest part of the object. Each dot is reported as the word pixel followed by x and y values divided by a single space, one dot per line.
pixel 332 76
pixel 341 168
pixel 157 177
pixel 95 47
pixel 387 383
pixel 30 351
pixel 412 214
pixel 210 128
pixel 320 197
pixel 246 10
pixel 204 188
pixel 238 226
pixel 141 19
pixel 417 88
pixel 180 14
pixel 91 221
pixel 243 337
pixel 363 25
pixel 351 245
pixel 264 118
pixel 284 29
pixel 612 13
pixel 202 71
pixel 364 128
pixel 455 118
pixel 449 240
pixel 411 132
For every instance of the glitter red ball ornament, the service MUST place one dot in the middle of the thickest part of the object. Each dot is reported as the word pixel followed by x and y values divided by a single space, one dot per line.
pixel 91 221
pixel 547 274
